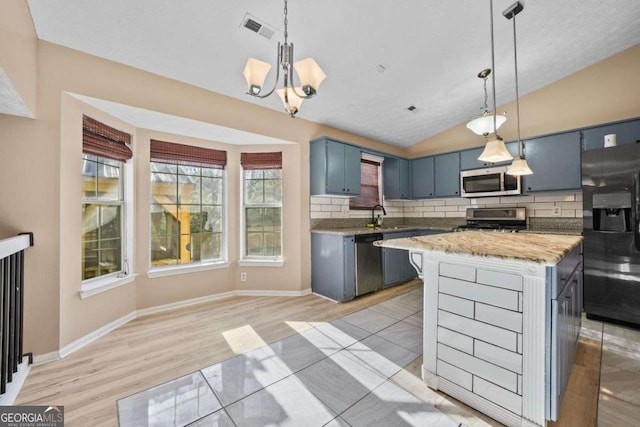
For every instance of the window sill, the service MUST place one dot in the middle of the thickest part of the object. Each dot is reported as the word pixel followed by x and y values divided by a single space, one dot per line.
pixel 184 269
pixel 102 285
pixel 261 262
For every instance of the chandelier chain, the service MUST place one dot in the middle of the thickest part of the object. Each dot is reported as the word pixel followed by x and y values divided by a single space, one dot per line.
pixel 286 21
pixel 485 109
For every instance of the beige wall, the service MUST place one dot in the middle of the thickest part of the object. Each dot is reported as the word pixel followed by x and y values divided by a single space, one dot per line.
pixel 604 92
pixel 18 50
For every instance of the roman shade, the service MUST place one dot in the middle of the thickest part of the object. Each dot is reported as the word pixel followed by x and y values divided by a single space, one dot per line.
pixel 261 160
pixel 369 190
pixel 99 139
pixel 170 152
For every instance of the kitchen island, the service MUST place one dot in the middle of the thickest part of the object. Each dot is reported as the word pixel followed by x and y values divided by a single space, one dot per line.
pixel 502 316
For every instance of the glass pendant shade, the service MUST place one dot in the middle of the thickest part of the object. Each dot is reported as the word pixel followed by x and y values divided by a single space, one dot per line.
pixel 483 125
pixel 294 101
pixel 519 167
pixel 310 74
pixel 495 151
pixel 255 72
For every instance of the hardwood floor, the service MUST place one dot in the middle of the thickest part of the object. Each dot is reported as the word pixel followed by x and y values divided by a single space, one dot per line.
pixel 158 348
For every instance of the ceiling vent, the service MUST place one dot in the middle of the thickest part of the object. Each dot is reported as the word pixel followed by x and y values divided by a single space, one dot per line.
pixel 258 26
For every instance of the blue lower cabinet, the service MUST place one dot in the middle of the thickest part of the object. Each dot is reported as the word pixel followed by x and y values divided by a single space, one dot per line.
pixel 396 268
pixel 333 272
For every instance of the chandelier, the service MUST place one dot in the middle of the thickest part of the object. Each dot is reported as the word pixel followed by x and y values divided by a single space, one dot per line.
pixel 483 124
pixel 309 73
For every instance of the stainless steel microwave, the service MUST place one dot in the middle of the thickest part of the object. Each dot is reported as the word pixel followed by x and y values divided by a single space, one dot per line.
pixel 488 182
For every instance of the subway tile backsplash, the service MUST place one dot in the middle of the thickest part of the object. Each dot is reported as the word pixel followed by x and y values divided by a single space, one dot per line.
pixel 548 205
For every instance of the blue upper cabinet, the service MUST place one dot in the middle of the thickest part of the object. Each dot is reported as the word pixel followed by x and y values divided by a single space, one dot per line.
pixel 396 180
pixel 555 162
pixel 422 178
pixel 447 175
pixel 469 158
pixel 335 168
pixel 626 133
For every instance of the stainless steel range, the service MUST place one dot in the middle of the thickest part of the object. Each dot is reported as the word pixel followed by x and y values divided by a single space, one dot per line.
pixel 505 220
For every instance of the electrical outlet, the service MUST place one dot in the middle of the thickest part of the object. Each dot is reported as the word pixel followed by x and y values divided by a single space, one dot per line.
pixel 557 211
pixel 243 277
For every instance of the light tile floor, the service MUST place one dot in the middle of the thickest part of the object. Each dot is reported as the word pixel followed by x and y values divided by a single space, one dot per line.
pixel 330 374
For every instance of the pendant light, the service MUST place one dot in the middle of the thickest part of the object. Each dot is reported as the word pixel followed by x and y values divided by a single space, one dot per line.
pixel 519 165
pixel 494 150
pixel 310 74
pixel 483 124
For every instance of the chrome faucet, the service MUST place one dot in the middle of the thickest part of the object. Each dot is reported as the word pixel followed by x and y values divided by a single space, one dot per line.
pixel 373 213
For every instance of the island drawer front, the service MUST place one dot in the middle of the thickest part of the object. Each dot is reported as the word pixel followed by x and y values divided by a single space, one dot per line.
pixel 496 316
pixel 499 356
pixel 502 280
pixel 482 331
pixel 478 367
pixel 498 395
pixel 455 340
pixel 458 272
pixel 487 294
pixel 461 306
pixel 454 374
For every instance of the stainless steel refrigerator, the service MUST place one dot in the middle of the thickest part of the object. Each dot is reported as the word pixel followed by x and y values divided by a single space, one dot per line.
pixel 611 202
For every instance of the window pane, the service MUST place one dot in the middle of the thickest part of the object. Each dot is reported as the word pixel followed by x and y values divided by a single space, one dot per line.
pixel 188 170
pixel 211 191
pixel 273 173
pixel 101 240
pixel 164 188
pixel 164 168
pixel 188 189
pixel 89 178
pixel 254 191
pixel 215 173
pixel 211 246
pixel 263 229
pixel 212 218
pixel 272 191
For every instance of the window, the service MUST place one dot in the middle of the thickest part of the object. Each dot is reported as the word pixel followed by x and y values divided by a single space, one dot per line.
pixel 369 186
pixel 262 205
pixel 105 151
pixel 187 204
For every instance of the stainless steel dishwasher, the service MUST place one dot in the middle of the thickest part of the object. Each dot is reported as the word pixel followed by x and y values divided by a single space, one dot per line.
pixel 368 264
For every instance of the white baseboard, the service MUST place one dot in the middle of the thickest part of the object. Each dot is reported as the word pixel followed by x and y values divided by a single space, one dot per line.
pixel 41 359
pixel 185 303
pixel 100 332
pixel 81 342
pixel 13 388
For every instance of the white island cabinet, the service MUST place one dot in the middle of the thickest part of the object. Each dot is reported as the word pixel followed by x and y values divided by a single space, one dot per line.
pixel 501 319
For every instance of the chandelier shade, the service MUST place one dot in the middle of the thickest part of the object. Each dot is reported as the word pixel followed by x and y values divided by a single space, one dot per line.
pixel 310 75
pixel 483 125
pixel 495 151
pixel 519 167
pixel 255 72
pixel 290 99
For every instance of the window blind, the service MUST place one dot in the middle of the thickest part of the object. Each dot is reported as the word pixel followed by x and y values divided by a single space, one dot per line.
pixel 369 190
pixel 171 152
pixel 261 160
pixel 99 139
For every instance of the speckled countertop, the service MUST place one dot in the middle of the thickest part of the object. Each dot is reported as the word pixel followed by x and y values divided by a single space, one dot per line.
pixel 364 230
pixel 546 249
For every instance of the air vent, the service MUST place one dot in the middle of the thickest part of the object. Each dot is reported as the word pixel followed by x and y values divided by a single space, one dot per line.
pixel 258 26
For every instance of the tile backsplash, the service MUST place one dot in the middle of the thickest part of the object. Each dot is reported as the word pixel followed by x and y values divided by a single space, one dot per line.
pixel 556 204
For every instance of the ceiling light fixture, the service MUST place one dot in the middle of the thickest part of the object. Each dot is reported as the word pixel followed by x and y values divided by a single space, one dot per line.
pixel 310 74
pixel 519 165
pixel 494 150
pixel 483 124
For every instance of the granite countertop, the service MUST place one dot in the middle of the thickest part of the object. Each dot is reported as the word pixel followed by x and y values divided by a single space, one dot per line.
pixel 348 231
pixel 567 232
pixel 546 249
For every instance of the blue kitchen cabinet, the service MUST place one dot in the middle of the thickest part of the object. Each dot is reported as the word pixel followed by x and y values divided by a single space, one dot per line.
pixel 555 161
pixel 396 268
pixel 396 181
pixel 469 158
pixel 333 263
pixel 447 174
pixel 335 168
pixel 627 132
pixel 422 178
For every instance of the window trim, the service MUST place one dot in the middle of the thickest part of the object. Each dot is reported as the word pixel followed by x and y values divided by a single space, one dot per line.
pixel 100 284
pixel 173 269
pixel 260 261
